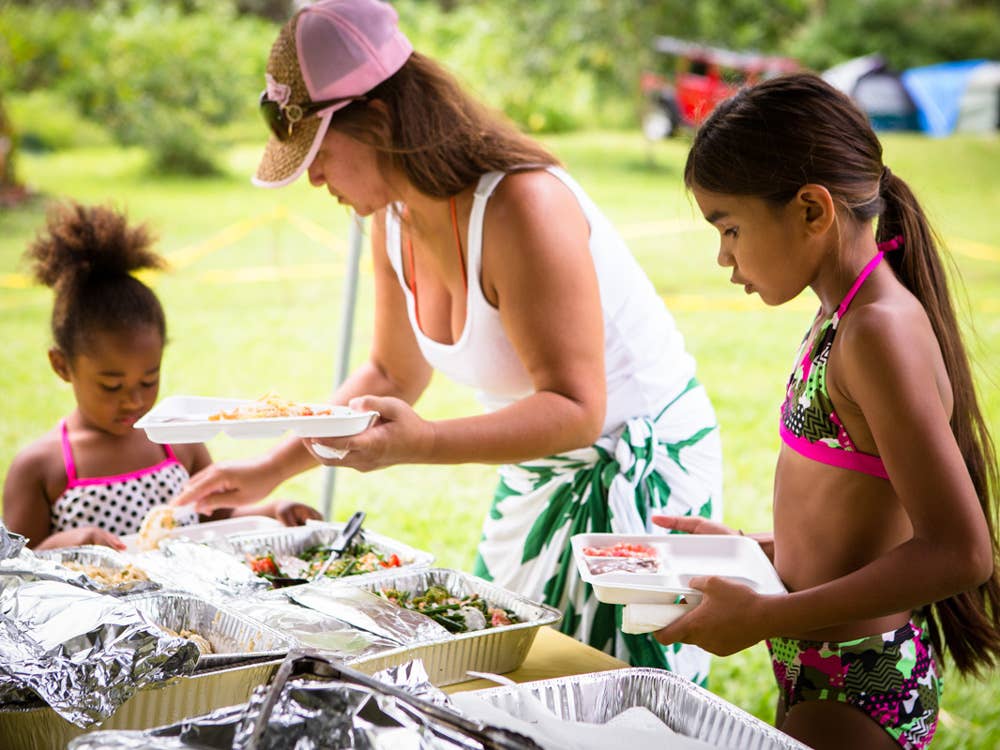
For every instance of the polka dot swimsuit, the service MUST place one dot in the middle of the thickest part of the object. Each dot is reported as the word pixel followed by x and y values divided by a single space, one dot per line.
pixel 117 503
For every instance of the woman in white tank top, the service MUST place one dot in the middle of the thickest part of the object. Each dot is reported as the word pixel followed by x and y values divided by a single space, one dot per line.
pixel 493 266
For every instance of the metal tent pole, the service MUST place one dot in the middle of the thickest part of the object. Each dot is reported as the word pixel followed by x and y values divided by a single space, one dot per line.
pixel 346 329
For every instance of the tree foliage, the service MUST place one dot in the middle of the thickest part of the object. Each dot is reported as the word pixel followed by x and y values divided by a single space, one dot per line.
pixel 167 74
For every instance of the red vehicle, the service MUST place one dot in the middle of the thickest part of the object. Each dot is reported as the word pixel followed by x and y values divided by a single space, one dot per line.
pixel 703 77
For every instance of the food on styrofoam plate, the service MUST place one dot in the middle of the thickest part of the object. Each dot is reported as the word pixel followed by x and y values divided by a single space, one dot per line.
pixel 361 557
pixel 269 406
pixel 155 527
pixel 107 576
pixel 458 614
pixel 622 557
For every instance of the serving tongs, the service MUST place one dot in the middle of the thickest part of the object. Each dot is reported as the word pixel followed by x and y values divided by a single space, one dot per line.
pixel 343 541
pixel 442 721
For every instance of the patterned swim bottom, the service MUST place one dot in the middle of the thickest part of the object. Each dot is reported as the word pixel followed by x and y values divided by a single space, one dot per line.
pixel 892 678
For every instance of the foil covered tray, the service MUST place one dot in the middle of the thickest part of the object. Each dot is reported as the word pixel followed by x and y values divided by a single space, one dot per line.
pixel 234 636
pixel 108 571
pixel 294 540
pixel 683 706
pixel 448 660
pixel 41 728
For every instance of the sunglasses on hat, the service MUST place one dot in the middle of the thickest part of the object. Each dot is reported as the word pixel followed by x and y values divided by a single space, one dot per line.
pixel 281 119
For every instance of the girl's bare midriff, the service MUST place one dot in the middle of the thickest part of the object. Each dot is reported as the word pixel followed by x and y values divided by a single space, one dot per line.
pixel 829 522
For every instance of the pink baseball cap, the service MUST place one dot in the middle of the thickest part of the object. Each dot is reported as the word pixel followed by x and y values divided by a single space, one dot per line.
pixel 329 54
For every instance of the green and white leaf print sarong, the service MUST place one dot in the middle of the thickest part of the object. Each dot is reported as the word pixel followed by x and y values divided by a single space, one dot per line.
pixel 670 463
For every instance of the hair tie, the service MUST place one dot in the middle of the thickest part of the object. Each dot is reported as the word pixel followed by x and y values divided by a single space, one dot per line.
pixel 891 244
pixel 884 178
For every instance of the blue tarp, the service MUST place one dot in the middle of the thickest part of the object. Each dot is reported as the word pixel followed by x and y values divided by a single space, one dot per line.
pixel 937 91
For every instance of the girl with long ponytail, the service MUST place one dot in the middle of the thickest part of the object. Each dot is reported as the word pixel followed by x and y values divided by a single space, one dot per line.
pixel 886 482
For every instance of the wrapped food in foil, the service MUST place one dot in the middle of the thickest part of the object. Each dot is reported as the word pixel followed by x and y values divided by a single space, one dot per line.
pixel 11 544
pixel 82 653
pixel 207 572
pixel 314 629
pixel 368 611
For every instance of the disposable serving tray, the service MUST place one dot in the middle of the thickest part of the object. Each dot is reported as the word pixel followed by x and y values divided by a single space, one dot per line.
pixel 41 728
pixel 681 705
pixel 103 557
pixel 234 636
pixel 447 661
pixel 293 540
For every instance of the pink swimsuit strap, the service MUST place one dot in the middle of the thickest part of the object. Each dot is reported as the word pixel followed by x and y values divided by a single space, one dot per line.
pixel 70 464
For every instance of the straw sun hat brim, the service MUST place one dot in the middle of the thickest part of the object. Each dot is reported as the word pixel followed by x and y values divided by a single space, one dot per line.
pixel 284 161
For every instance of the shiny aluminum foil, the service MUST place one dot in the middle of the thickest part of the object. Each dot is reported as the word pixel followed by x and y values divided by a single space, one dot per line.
pixel 82 653
pixel 314 629
pixel 683 706
pixel 368 611
pixel 412 677
pixel 214 731
pixel 101 557
pixel 234 637
pixel 207 572
pixel 306 712
pixel 11 544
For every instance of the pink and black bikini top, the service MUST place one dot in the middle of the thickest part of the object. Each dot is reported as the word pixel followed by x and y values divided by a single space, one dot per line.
pixel 115 503
pixel 809 423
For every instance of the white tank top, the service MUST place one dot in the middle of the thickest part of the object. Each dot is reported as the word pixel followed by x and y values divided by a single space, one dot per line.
pixel 645 361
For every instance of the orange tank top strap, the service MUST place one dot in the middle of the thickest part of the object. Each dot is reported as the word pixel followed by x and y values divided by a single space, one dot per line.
pixel 410 270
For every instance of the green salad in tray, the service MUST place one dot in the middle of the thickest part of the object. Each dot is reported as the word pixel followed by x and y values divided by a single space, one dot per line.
pixel 458 614
pixel 360 557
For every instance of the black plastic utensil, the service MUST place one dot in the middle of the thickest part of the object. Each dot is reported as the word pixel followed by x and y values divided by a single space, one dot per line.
pixel 346 538
pixel 336 549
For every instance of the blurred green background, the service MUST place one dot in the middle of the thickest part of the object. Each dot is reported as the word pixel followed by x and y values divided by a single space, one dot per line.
pixel 149 106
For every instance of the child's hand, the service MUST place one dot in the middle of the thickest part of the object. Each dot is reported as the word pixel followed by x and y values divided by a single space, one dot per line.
pixel 692 525
pixel 81 536
pixel 728 619
pixel 291 513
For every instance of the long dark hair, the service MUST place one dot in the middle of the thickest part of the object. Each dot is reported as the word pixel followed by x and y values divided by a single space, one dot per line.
pixel 769 140
pixel 86 254
pixel 441 138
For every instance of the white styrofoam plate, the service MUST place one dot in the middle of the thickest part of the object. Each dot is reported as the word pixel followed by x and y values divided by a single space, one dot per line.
pixel 185 419
pixel 209 530
pixel 678 559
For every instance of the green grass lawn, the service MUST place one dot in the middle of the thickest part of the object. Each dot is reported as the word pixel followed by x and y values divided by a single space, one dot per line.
pixel 258 309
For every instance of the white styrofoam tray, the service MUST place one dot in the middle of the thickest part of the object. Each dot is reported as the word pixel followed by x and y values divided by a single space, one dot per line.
pixel 680 558
pixel 185 419
pixel 211 530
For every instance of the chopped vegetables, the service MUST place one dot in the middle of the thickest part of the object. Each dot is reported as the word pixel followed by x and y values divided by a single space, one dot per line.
pixel 360 557
pixel 458 614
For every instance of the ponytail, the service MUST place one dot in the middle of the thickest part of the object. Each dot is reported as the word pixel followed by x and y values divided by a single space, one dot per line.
pixel 969 623
pixel 770 139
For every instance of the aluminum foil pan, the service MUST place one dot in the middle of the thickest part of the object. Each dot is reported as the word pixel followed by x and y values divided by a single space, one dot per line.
pixel 204 571
pixel 234 636
pixel 313 629
pixel 83 653
pixel 448 659
pixel 111 564
pixel 683 706
pixel 292 541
